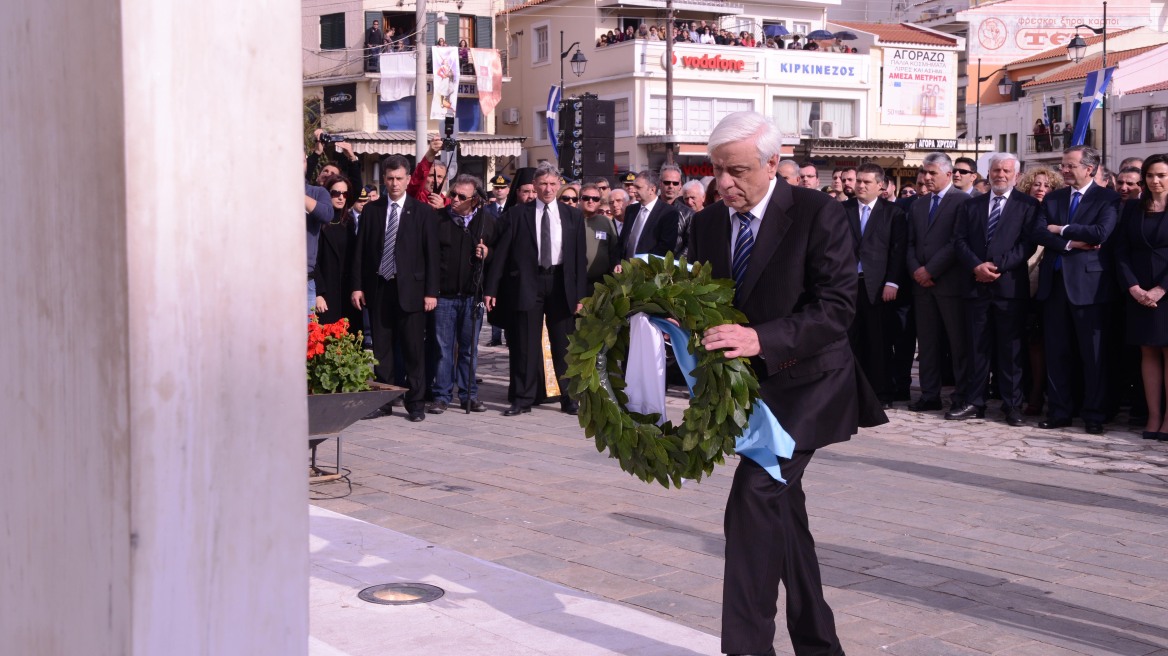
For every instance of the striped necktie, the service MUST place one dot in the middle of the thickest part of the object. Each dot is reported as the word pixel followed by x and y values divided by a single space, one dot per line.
pixel 995 215
pixel 388 268
pixel 933 208
pixel 742 247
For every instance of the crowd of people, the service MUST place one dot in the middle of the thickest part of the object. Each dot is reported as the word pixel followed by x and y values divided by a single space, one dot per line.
pixel 708 33
pixel 1006 291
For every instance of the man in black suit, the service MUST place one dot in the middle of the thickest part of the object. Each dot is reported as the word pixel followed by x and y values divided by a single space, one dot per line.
pixel 939 285
pixel 992 241
pixel 796 283
pixel 540 270
pixel 1076 282
pixel 650 226
pixel 879 235
pixel 374 39
pixel 395 272
pixel 670 177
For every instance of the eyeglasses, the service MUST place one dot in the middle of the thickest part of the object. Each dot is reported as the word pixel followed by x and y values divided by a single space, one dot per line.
pixel 337 194
pixel 962 172
pixel 606 212
pixel 671 183
pixel 461 197
pixel 590 199
pixel 568 199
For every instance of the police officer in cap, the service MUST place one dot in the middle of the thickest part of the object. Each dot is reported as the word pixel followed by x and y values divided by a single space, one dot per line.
pixel 500 189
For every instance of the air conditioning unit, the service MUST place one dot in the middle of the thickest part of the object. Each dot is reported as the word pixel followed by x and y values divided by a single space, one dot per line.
pixel 511 116
pixel 823 129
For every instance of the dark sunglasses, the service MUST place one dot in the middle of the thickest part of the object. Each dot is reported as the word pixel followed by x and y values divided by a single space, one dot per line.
pixel 460 197
pixel 962 172
pixel 568 199
pixel 671 183
pixel 337 194
pixel 590 199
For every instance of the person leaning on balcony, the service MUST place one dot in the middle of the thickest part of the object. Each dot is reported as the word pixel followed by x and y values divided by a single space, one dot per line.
pixel 653 36
pixel 643 31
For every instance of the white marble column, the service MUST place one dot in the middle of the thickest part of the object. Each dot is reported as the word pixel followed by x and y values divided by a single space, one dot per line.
pixel 152 349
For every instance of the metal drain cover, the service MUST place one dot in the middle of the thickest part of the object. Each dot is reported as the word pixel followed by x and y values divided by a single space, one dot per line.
pixel 400 594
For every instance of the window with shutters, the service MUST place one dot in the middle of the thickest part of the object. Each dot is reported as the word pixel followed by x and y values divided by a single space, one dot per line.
pixel 541 126
pixel 332 32
pixel 621 115
pixel 466 31
pixel 539 46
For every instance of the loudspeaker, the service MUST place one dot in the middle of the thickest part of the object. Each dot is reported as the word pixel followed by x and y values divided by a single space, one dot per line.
pixel 586 137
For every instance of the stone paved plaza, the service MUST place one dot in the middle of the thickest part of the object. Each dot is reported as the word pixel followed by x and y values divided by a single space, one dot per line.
pixel 935 537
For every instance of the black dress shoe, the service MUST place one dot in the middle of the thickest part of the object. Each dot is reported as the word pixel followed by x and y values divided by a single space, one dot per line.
pixel 516 410
pixel 1054 423
pixel 1151 435
pixel 570 408
pixel 495 342
pixel 1094 427
pixel 417 415
pixel 475 405
pixel 925 405
pixel 1015 418
pixel 436 407
pixel 966 411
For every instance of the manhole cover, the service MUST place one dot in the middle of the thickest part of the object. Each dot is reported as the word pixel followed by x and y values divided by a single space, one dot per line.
pixel 400 594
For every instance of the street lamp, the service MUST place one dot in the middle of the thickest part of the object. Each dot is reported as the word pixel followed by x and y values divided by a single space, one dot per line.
pixel 1005 87
pixel 579 62
pixel 1077 50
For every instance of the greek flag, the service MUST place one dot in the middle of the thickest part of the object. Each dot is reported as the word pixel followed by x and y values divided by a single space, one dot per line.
pixel 1093 93
pixel 553 112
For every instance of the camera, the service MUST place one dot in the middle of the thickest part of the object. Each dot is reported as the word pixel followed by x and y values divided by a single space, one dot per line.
pixel 448 141
pixel 327 138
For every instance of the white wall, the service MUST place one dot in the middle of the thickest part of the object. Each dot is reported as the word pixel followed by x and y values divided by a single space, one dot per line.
pixel 153 376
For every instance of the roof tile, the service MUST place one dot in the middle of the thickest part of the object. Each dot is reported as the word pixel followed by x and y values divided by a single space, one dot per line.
pixel 1093 63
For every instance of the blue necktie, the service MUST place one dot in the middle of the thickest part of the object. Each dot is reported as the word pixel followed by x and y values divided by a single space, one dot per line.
pixel 742 247
pixel 864 209
pixel 995 215
pixel 1075 198
pixel 933 208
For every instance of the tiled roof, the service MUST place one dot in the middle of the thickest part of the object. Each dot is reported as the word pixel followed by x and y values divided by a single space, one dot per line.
pixel 1159 86
pixel 900 33
pixel 1061 52
pixel 1093 63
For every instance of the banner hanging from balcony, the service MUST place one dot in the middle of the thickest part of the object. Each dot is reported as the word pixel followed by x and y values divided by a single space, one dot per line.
pixel 445 62
pixel 919 88
pixel 399 75
pixel 489 77
pixel 1093 93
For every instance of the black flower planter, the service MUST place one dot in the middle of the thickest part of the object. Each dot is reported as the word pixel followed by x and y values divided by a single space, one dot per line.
pixel 329 414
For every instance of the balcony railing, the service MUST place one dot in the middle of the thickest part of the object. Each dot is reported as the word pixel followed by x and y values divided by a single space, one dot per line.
pixel 326 64
pixel 1040 144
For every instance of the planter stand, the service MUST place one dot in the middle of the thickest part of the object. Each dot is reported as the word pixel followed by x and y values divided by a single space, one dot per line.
pixel 330 414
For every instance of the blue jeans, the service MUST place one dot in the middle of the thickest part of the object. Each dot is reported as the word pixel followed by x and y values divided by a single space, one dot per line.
pixel 311 299
pixel 457 330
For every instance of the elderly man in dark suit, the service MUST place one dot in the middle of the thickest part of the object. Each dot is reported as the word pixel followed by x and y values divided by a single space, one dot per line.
pixel 797 285
pixel 1076 282
pixel 395 272
pixel 879 233
pixel 540 269
pixel 939 284
pixel 650 226
pixel 993 244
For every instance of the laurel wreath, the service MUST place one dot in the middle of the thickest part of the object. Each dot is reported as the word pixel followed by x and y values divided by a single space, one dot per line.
pixel 724 392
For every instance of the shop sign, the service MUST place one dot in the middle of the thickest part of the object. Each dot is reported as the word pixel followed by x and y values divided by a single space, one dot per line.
pixel 708 63
pixel 936 144
pixel 340 99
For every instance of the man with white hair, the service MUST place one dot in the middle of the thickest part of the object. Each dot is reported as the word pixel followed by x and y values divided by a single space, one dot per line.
pixel 796 282
pixel 694 195
pixel 619 200
pixel 789 171
pixel 992 241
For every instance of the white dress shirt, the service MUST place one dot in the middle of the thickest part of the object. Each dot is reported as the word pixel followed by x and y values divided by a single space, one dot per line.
pixel 557 230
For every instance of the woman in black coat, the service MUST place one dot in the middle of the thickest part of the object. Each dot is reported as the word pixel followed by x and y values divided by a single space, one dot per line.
pixel 338 240
pixel 1141 255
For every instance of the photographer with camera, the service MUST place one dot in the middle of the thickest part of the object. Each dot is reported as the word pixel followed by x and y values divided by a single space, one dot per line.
pixel 430 174
pixel 343 157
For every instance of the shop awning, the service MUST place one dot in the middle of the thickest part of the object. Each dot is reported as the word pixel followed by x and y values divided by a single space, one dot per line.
pixel 470 144
pixel 853 147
